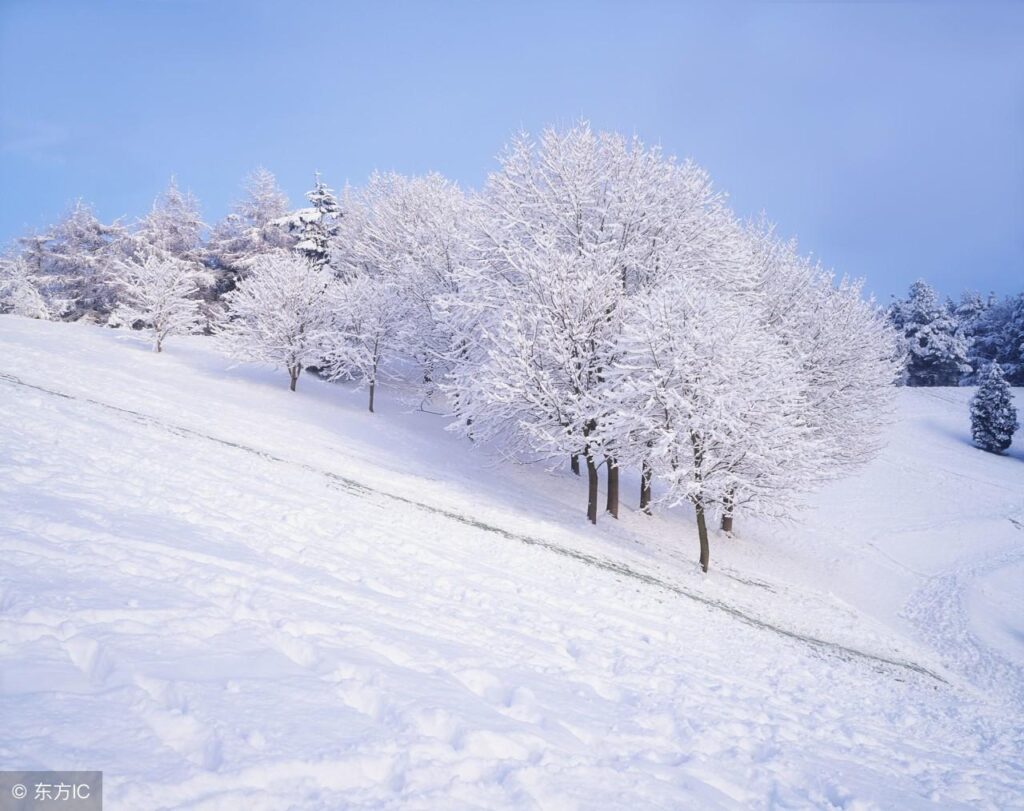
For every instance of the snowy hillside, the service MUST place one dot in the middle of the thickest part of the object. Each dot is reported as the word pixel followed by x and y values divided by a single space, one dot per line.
pixel 228 595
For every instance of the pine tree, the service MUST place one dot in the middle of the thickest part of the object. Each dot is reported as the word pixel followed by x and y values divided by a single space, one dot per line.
pixel 70 263
pixel 174 225
pixel 999 338
pixel 993 415
pixel 318 224
pixel 936 350
pixel 80 256
pixel 19 289
pixel 252 229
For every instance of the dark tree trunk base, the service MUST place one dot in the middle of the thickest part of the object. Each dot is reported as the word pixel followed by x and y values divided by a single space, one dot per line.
pixel 645 487
pixel 591 490
pixel 702 534
pixel 612 501
pixel 730 499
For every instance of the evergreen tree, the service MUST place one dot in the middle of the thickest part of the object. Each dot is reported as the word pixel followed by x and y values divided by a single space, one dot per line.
pixel 263 201
pixel 999 338
pixel 318 224
pixel 1011 341
pixel 173 228
pixel 936 350
pixel 19 289
pixel 970 314
pixel 252 229
pixel 78 262
pixel 993 416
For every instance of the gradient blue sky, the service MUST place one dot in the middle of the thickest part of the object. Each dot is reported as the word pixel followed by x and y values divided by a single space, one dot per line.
pixel 888 138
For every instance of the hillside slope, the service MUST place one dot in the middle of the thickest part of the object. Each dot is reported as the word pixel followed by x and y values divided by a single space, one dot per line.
pixel 227 595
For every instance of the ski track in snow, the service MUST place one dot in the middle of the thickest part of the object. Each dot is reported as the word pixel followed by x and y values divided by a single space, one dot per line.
pixel 221 626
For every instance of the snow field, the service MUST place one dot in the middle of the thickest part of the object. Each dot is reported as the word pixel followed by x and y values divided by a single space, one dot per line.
pixel 264 625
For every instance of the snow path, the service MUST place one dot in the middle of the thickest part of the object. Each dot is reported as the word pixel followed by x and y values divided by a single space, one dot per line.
pixel 938 611
pixel 218 629
pixel 616 567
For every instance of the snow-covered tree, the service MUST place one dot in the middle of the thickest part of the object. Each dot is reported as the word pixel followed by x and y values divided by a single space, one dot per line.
pixel 159 292
pixel 936 351
pixel 968 311
pixel 999 338
pixel 993 415
pixel 367 314
pixel 70 263
pixel 173 228
pixel 80 253
pixel 565 231
pixel 713 401
pixel 264 201
pixel 19 289
pixel 253 228
pixel 173 225
pixel 408 236
pixel 318 224
pixel 278 314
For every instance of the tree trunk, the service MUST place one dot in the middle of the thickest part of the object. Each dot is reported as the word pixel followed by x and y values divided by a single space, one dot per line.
pixel 702 533
pixel 293 374
pixel 727 512
pixel 645 487
pixel 591 488
pixel 373 371
pixel 698 499
pixel 574 463
pixel 612 503
pixel 591 474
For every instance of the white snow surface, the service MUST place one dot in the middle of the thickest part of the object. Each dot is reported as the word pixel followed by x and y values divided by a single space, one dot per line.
pixel 226 595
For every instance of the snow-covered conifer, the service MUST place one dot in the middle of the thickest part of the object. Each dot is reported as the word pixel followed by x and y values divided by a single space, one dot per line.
pixel 318 224
pixel 173 225
pixel 999 338
pixel 993 415
pixel 80 256
pixel 251 229
pixel 936 351
pixel 173 228
pixel 264 201
pixel 70 264
pixel 278 314
pixel 19 289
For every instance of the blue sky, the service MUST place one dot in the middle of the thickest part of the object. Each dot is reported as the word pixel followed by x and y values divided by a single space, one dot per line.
pixel 889 138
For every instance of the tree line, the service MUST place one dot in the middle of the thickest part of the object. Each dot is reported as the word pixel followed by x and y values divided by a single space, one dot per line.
pixel 952 343
pixel 596 303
